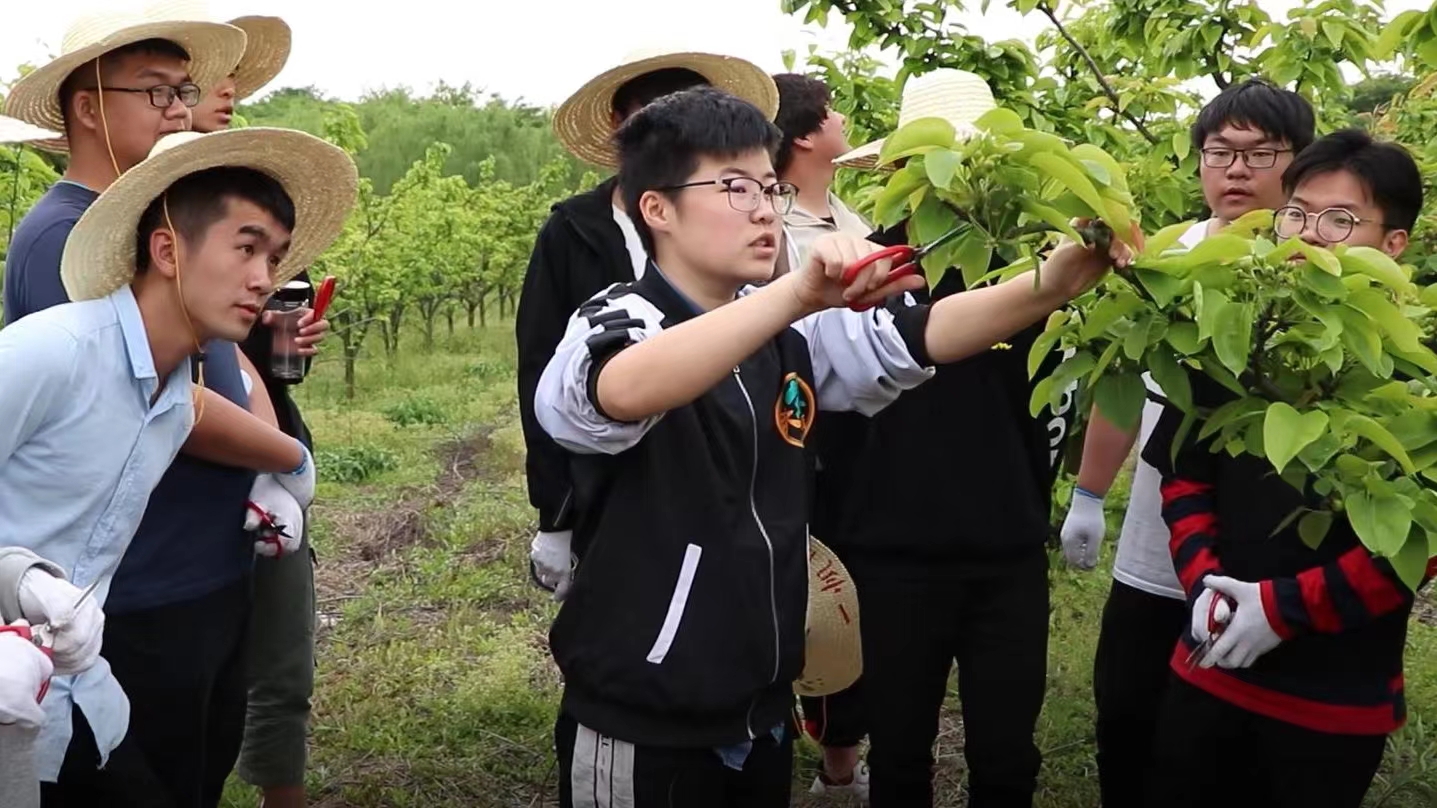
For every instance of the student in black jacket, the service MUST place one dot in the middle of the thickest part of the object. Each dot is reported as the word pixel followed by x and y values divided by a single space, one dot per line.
pixel 1296 698
pixel 587 244
pixel 685 400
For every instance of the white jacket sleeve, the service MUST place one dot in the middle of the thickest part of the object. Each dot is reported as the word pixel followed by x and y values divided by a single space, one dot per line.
pixel 862 361
pixel 566 402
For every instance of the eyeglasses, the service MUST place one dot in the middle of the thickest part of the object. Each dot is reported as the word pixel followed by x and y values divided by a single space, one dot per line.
pixel 1252 158
pixel 162 95
pixel 744 193
pixel 1332 225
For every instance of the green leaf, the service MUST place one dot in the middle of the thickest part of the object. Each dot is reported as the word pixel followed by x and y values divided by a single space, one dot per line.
pixel 1119 397
pixel 1052 217
pixel 1320 258
pixel 1162 286
pixel 1105 312
pixel 1360 336
pixel 1377 265
pixel 1161 241
pixel 1073 368
pixel 1136 342
pixel 1182 145
pixel 1210 307
pixel 1232 339
pixel 917 137
pixel 941 165
pixel 1220 374
pixel 1317 454
pixel 1233 412
pixel 1088 153
pixel 1042 346
pixel 1313 527
pixel 1285 432
pixel 1109 354
pixel 892 203
pixel 1039 399
pixel 1184 338
pixel 1395 32
pixel 973 257
pixel 1171 377
pixel 1000 120
pixel 1365 427
pixel 1403 332
pixel 1322 283
pixel 1068 175
pixel 1380 520
pixel 1334 32
pixel 1410 563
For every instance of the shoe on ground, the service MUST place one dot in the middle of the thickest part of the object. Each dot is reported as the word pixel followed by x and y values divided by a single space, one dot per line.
pixel 857 787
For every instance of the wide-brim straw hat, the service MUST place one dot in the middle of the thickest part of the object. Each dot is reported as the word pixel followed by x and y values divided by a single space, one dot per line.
pixel 833 650
pixel 956 96
pixel 584 123
pixel 214 49
pixel 319 177
pixel 265 53
pixel 14 130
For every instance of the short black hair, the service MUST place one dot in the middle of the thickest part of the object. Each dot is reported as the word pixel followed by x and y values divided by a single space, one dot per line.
pixel 662 144
pixel 1385 169
pixel 85 73
pixel 644 89
pixel 198 200
pixel 803 106
pixel 1258 104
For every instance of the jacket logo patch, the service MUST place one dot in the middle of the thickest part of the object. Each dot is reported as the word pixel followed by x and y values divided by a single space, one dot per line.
pixel 793 412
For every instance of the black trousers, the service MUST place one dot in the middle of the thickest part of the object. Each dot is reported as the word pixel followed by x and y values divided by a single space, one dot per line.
pixel 836 720
pixel 917 617
pixel 1210 752
pixel 183 668
pixel 1130 676
pixel 596 770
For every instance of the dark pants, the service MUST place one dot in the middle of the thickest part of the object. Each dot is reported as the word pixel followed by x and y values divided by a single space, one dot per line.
pixel 126 781
pixel 596 770
pixel 1130 676
pixel 836 720
pixel 182 666
pixel 1210 753
pixel 917 617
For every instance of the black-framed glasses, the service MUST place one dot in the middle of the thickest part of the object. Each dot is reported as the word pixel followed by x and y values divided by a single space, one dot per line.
pixel 163 95
pixel 1331 225
pixel 745 193
pixel 1252 158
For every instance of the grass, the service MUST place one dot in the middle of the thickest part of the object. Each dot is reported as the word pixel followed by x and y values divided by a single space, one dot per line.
pixel 435 687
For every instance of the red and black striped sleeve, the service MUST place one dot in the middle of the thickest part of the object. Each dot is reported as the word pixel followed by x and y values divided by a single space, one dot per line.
pixel 1342 595
pixel 1189 506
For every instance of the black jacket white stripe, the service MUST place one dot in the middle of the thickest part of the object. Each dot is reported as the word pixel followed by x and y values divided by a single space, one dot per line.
pixel 685 624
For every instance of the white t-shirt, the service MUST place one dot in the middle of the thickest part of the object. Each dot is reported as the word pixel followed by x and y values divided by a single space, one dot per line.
pixel 1143 560
pixel 637 254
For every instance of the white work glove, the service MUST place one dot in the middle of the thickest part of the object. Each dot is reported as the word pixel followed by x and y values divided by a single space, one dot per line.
pixel 1248 634
pixel 300 482
pixel 551 562
pixel 24 670
pixel 1083 530
pixel 269 497
pixel 78 631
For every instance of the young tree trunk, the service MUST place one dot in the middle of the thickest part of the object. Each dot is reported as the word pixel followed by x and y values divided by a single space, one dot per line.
pixel 449 317
pixel 483 313
pixel 396 314
pixel 470 306
pixel 429 310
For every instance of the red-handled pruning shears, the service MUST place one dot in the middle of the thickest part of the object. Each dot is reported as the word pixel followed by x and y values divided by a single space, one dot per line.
pixel 905 257
pixel 1214 629
pixel 42 638
pixel 323 296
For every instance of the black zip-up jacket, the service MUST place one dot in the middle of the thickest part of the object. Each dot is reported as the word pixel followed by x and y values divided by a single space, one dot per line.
pixel 685 623
pixel 958 468
pixel 578 252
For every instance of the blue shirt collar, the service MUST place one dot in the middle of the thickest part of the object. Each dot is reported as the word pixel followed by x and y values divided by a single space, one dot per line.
pixel 132 327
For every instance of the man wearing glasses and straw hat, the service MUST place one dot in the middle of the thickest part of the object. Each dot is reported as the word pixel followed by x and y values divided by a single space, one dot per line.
pixel 966 580
pixel 182 249
pixel 588 243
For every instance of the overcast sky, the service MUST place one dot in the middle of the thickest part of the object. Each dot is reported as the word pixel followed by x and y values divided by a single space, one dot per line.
pixel 540 50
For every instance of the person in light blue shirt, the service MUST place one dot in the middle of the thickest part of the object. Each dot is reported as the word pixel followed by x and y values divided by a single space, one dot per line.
pixel 182 249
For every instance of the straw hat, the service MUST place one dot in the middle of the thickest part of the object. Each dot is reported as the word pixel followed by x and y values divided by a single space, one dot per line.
pixel 264 55
pixel 833 653
pixel 956 96
pixel 266 50
pixel 584 122
pixel 214 49
pixel 13 130
pixel 319 177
